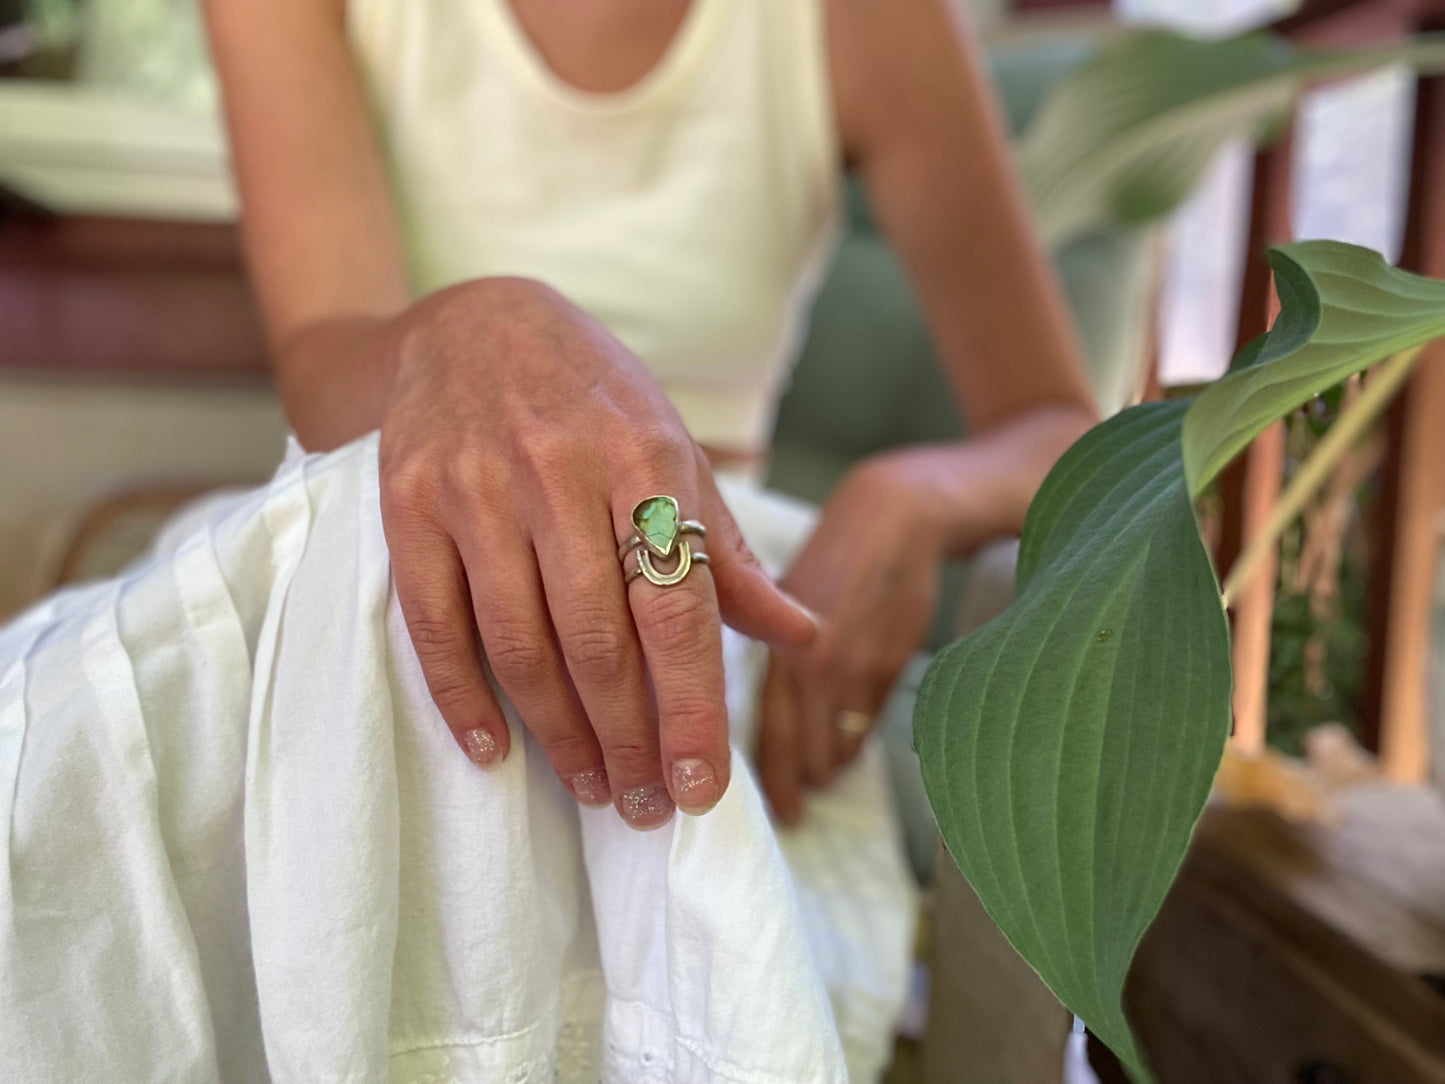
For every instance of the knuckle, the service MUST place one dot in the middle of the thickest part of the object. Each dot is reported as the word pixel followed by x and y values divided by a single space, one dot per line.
pixel 733 541
pixel 597 647
pixel 467 470
pixel 519 654
pixel 631 759
pixel 449 678
pixel 631 748
pixel 657 451
pixel 695 714
pixel 550 451
pixel 451 688
pixel 677 615
pixel 741 552
pixel 434 637
pixel 407 483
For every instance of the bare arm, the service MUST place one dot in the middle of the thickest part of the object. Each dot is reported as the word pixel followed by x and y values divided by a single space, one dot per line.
pixel 917 120
pixel 320 232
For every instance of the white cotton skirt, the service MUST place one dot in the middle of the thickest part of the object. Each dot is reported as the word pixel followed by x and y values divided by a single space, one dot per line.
pixel 240 845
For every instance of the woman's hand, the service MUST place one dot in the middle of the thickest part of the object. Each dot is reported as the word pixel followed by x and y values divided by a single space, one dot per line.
pixel 517 440
pixel 871 571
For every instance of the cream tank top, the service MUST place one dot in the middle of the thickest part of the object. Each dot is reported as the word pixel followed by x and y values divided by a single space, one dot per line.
pixel 693 213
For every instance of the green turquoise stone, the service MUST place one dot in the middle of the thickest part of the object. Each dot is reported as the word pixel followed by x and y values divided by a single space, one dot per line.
pixel 656 520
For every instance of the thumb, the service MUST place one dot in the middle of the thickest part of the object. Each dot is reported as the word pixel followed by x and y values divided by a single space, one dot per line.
pixel 749 599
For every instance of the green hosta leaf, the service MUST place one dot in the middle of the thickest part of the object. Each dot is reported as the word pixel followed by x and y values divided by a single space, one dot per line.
pixel 1069 745
pixel 1339 303
pixel 1053 742
pixel 1127 136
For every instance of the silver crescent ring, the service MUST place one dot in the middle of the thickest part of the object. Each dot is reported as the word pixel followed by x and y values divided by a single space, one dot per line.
pixel 686 558
pixel 661 536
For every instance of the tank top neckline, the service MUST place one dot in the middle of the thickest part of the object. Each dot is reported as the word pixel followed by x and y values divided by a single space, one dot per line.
pixel 683 52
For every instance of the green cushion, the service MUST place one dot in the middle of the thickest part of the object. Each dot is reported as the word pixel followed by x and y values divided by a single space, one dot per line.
pixel 869 379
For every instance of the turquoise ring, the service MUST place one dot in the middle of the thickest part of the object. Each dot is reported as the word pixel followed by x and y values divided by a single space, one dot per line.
pixel 660 536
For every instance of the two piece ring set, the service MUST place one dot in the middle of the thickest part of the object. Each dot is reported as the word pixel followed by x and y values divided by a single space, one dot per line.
pixel 662 535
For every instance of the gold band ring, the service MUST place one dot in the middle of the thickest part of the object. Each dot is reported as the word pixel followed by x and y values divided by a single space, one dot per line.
pixel 857 723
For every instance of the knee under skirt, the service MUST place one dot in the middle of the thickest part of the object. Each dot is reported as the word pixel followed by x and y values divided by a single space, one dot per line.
pixel 239 845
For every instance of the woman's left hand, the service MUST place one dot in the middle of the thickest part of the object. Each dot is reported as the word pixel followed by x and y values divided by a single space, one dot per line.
pixel 871 572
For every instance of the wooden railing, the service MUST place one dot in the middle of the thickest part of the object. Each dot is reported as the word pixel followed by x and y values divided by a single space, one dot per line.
pixel 1408 517
pixel 113 297
pixel 1394 713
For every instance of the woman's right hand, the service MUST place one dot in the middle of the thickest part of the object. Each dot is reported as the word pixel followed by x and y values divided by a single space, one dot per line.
pixel 518 438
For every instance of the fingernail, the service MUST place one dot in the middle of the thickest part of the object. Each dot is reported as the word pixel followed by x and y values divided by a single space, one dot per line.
pixel 646 807
pixel 695 785
pixel 482 748
pixel 591 787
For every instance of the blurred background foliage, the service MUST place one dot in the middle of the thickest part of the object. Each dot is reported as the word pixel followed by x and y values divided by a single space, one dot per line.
pixel 1320 633
pixel 151 49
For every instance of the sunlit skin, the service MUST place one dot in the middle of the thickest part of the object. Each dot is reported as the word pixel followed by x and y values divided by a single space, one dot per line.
pixel 505 486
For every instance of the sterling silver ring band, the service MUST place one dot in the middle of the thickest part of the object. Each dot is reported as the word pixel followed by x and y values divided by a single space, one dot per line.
pixel 694 557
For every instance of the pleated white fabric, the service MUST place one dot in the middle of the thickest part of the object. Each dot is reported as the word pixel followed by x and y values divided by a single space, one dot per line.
pixel 239 845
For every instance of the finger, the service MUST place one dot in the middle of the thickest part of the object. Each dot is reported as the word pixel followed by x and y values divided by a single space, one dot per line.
pixel 681 635
pixel 749 599
pixel 779 751
pixel 859 704
pixel 431 586
pixel 522 649
pixel 851 729
pixel 588 603
pixel 815 689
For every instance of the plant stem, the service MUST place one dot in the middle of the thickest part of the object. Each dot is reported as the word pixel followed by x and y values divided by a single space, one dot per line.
pixel 1353 423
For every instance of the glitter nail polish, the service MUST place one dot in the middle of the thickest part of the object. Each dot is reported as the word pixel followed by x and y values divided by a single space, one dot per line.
pixel 591 787
pixel 482 749
pixel 646 807
pixel 695 784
